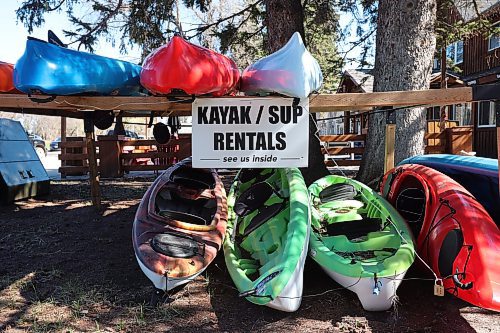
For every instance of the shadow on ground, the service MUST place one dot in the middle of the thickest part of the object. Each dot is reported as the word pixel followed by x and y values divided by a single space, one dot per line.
pixel 68 267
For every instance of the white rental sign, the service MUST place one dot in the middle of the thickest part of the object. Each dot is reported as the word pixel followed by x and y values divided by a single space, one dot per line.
pixel 250 132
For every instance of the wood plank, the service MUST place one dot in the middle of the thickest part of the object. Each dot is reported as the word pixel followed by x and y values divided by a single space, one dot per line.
pixel 438 149
pixel 141 105
pixel 143 142
pixel 73 144
pixel 73 157
pixel 145 167
pixel 350 101
pixel 343 138
pixel 439 136
pixel 152 154
pixel 339 162
pixel 343 150
pixel 390 142
pixel 73 169
pixel 95 191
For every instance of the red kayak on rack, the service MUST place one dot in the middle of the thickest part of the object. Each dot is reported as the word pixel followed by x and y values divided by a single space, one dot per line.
pixel 455 235
pixel 180 65
pixel 6 82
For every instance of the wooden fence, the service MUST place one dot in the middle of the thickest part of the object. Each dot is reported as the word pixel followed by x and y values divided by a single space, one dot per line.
pixel 347 149
pixel 129 155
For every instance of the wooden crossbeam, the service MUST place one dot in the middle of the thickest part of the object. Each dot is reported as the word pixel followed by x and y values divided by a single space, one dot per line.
pixel 74 106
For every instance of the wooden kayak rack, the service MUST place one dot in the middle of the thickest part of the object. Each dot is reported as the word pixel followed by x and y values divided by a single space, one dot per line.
pixel 83 106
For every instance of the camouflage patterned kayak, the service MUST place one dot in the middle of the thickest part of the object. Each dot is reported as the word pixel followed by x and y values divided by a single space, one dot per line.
pixel 359 240
pixel 267 236
pixel 180 225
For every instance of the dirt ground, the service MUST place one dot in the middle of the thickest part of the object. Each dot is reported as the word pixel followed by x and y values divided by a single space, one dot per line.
pixel 66 267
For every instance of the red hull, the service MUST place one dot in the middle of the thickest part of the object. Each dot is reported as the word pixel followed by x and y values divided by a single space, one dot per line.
pixel 456 236
pixel 6 83
pixel 190 68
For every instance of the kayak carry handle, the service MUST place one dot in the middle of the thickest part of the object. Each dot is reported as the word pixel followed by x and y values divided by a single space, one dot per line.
pixel 459 284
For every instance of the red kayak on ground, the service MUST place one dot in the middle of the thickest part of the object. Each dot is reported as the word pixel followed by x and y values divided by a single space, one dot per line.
pixel 455 235
pixel 180 65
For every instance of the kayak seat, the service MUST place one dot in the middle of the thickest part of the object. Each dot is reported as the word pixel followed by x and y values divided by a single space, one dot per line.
pixel 170 205
pixel 253 198
pixel 264 215
pixel 247 175
pixel 354 229
pixel 177 245
pixel 199 178
pixel 338 191
pixel 190 183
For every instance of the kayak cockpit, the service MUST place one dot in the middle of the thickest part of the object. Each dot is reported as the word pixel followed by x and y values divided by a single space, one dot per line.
pixel 186 199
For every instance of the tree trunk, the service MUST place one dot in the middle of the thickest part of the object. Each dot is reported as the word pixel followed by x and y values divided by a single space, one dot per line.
pixel 283 18
pixel 405 48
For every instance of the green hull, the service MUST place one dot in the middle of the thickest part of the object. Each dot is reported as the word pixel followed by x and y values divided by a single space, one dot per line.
pixel 379 243
pixel 267 262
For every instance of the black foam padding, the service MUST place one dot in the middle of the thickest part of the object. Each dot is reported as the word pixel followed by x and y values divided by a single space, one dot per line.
pixel 253 198
pixel 258 175
pixel 190 183
pixel 264 215
pixel 337 192
pixel 450 248
pixel 354 229
pixel 199 175
pixel 177 245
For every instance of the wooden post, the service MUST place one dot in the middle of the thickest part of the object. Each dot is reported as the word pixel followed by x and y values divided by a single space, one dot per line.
pixel 497 109
pixel 390 140
pixel 95 191
pixel 443 114
pixel 63 139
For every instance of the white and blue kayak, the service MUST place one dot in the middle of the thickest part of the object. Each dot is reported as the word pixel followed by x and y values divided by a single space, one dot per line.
pixel 479 176
pixel 291 71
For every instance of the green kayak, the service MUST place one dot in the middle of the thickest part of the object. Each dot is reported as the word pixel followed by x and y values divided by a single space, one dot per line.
pixel 359 239
pixel 267 236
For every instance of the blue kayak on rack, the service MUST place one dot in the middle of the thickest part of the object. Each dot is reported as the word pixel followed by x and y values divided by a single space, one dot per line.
pixel 46 68
pixel 479 176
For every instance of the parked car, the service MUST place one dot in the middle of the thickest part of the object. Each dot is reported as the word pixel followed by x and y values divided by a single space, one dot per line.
pixel 128 134
pixel 38 144
pixel 55 144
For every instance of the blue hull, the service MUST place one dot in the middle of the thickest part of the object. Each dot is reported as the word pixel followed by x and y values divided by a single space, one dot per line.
pixel 54 70
pixel 478 175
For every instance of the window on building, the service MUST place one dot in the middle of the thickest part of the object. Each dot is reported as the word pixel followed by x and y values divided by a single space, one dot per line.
pixel 461 113
pixel 493 42
pixel 436 64
pixel 486 114
pixel 455 52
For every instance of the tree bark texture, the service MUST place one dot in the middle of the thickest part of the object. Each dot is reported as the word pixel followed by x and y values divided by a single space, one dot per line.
pixel 283 19
pixel 405 47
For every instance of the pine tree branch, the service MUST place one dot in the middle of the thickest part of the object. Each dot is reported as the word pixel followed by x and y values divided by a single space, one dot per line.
pixel 357 43
pixel 100 25
pixel 200 29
